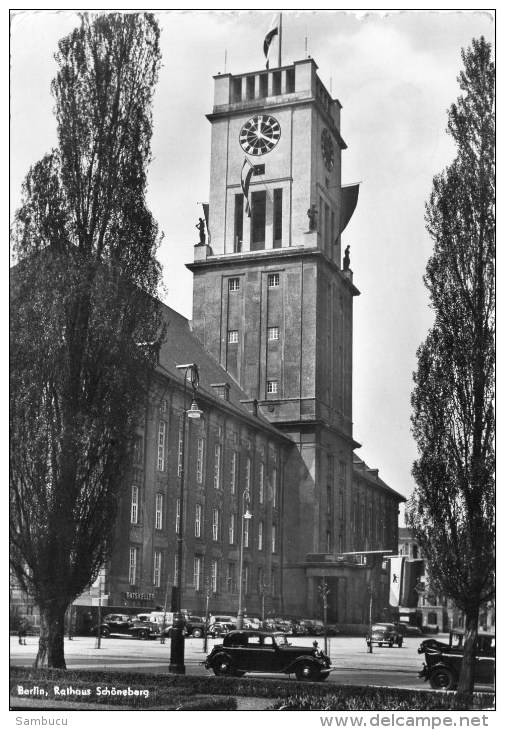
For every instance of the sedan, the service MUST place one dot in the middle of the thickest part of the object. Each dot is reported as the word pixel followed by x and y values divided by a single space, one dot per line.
pixel 384 634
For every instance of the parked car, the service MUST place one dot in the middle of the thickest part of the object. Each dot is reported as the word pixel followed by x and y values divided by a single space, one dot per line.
pixel 115 623
pixel 384 634
pixel 434 645
pixel 261 651
pixel 443 664
pixel 195 626
pixel 297 628
pixel 219 628
pixel 145 629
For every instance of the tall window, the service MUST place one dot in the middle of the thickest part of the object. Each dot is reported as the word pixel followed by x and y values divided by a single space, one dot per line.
pixel 248 472
pixel 161 445
pixel 258 219
pixel 273 333
pixel 158 521
pixel 198 520
pixel 233 472
pixel 157 568
pixel 232 336
pixel 262 483
pixel 278 218
pixel 133 565
pixel 215 524
pixel 274 538
pixel 273 280
pixel 214 573
pixel 272 386
pixel 134 515
pixel 231 528
pixel 197 572
pixel 199 460
pixel 239 223
pixel 178 516
pixel 246 532
pixel 179 457
pixel 217 466
pixel 233 284
pixel 328 541
pixel 260 535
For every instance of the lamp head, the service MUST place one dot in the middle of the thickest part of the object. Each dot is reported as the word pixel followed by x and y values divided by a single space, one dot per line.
pixel 194 411
pixel 248 514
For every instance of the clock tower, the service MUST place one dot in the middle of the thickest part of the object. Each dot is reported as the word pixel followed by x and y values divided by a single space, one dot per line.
pixel 272 301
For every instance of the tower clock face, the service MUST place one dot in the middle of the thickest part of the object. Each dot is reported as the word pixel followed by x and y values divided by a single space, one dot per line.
pixel 327 150
pixel 259 135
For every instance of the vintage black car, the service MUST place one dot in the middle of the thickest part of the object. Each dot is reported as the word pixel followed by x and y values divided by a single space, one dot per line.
pixel 115 623
pixel 384 634
pixel 261 651
pixel 443 663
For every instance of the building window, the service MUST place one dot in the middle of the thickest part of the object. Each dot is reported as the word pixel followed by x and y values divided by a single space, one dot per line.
pixel 198 520
pixel 157 568
pixel 217 466
pixel 258 219
pixel 133 566
pixel 179 457
pixel 199 460
pixel 231 528
pixel 274 538
pixel 246 533
pixel 248 473
pixel 178 516
pixel 274 487
pixel 239 225
pixel 215 524
pixel 232 336
pixel 233 284
pixel 134 515
pixel 278 218
pixel 260 535
pixel 273 333
pixel 197 572
pixel 328 541
pixel 273 280
pixel 233 472
pixel 272 386
pixel 176 570
pixel 161 446
pixel 262 483
pixel 158 521
pixel 231 579
pixel 214 573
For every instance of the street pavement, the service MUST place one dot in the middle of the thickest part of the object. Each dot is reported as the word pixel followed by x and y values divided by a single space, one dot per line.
pixel 386 667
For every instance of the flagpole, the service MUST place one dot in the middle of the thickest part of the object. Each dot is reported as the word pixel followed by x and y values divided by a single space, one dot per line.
pixel 280 40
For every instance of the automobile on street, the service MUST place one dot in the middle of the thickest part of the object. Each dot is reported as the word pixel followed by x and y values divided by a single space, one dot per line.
pixel 443 662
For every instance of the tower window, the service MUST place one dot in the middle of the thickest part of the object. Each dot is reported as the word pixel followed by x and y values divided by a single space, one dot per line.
pixel 233 284
pixel 237 90
pixel 258 220
pixel 239 223
pixel 272 386
pixel 250 87
pixel 273 280
pixel 264 85
pixel 273 333
pixel 232 336
pixel 277 217
pixel 276 83
pixel 290 80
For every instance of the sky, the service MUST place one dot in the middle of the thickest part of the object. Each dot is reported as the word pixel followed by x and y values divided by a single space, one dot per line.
pixel 395 74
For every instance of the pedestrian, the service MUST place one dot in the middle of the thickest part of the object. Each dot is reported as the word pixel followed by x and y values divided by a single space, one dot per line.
pixel 22 629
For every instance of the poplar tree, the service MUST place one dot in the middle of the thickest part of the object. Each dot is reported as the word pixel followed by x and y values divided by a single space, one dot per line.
pixel 452 512
pixel 83 298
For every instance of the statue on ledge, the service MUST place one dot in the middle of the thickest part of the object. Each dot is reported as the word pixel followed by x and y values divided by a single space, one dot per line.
pixel 312 215
pixel 201 228
pixel 347 258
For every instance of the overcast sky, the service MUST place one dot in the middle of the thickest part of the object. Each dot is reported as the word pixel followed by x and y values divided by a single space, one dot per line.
pixel 395 75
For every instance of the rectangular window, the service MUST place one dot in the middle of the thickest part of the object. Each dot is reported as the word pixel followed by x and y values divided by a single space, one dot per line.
pixel 199 460
pixel 133 566
pixel 197 572
pixel 239 224
pixel 134 516
pixel 262 483
pixel 274 538
pixel 290 80
pixel 274 487
pixel 215 524
pixel 157 569
pixel 272 386
pixel 236 90
pixel 231 528
pixel 260 535
pixel 161 446
pixel 231 579
pixel 264 85
pixel 249 87
pixel 158 521
pixel 178 516
pixel 328 541
pixel 248 472
pixel 278 218
pixel 258 219
pixel 273 280
pixel 273 333
pixel 198 520
pixel 233 284
pixel 214 573
pixel 233 472
pixel 246 533
pixel 217 466
pixel 232 337
pixel 276 82
pixel 179 452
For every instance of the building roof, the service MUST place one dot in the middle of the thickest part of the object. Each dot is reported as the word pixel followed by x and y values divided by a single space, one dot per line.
pixel 372 476
pixel 181 346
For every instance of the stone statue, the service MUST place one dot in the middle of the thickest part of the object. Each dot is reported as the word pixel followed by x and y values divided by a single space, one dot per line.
pixel 201 228
pixel 347 258
pixel 312 214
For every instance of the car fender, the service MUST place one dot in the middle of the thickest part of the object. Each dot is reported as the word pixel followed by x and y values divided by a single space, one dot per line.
pixel 291 668
pixel 217 657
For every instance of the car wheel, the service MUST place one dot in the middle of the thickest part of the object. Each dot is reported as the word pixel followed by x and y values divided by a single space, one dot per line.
pixel 196 633
pixel 223 666
pixel 441 678
pixel 143 634
pixel 104 631
pixel 307 671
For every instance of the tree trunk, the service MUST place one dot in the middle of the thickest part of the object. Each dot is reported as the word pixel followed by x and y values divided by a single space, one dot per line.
pixel 465 684
pixel 52 634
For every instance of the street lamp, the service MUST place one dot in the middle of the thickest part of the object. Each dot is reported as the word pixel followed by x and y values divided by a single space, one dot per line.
pixel 246 515
pixel 177 665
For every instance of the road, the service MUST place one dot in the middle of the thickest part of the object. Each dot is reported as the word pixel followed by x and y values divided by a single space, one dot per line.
pixel 395 667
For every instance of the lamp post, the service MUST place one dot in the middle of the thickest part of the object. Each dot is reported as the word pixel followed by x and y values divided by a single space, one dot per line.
pixel 177 665
pixel 246 515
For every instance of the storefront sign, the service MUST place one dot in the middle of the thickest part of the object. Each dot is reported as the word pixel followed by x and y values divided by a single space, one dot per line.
pixel 139 596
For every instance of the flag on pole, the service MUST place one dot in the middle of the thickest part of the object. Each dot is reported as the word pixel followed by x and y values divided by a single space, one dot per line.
pixel 272 32
pixel 247 171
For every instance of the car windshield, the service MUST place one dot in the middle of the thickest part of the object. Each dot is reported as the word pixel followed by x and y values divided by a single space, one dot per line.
pixel 281 640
